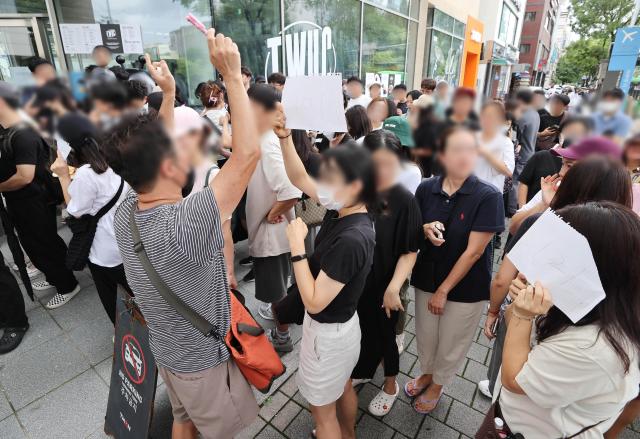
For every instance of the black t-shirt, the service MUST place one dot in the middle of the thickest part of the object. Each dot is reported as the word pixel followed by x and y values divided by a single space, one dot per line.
pixel 344 251
pixel 548 120
pixel 27 148
pixel 398 231
pixel 524 227
pixel 540 165
pixel 476 207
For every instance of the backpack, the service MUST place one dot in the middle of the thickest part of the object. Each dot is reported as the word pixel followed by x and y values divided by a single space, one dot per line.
pixel 49 185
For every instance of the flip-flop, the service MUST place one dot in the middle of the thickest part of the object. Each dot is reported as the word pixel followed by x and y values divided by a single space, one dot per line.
pixel 433 403
pixel 416 390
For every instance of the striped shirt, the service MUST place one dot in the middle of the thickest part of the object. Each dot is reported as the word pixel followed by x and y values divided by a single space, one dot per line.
pixel 184 242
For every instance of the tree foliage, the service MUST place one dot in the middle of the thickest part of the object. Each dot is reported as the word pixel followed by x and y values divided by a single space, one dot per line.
pixel 599 19
pixel 581 58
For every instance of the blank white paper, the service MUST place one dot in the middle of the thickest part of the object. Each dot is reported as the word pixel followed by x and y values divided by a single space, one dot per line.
pixel 555 254
pixel 63 147
pixel 314 103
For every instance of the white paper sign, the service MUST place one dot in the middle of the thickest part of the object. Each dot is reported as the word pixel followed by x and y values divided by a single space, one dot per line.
pixel 555 254
pixel 314 103
pixel 80 38
pixel 63 147
pixel 131 38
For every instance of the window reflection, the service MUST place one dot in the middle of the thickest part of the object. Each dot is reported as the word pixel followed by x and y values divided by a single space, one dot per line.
pixel 384 42
pixel 165 34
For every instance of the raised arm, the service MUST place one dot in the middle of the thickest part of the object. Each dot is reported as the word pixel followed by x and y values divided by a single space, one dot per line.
pixel 295 169
pixel 160 73
pixel 233 179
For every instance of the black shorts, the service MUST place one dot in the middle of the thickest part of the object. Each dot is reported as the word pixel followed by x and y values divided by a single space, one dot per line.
pixel 272 277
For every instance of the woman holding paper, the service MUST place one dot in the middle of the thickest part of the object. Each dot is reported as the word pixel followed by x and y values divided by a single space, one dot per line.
pixel 460 213
pixel 331 280
pixel 94 185
pixel 579 375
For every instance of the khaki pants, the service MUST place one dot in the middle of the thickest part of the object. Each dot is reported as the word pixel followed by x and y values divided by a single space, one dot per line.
pixel 218 400
pixel 444 340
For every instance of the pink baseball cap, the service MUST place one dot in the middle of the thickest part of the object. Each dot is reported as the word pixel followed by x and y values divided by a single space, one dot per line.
pixel 185 120
pixel 589 146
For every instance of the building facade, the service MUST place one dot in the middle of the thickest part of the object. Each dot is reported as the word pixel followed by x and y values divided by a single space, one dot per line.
pixel 503 21
pixel 540 20
pixel 561 38
pixel 389 41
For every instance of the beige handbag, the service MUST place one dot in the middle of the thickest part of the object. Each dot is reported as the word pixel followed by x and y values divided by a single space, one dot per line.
pixel 311 212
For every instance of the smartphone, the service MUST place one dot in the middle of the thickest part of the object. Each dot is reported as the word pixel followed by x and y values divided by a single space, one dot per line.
pixel 555 127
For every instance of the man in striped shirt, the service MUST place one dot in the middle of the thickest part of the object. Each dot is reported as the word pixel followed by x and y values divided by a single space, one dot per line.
pixel 184 242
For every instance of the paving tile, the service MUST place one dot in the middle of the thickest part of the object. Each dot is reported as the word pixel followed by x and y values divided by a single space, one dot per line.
pixel 366 394
pixel 463 366
pixel 484 341
pixel 415 370
pixel 270 433
pixel 475 371
pixel 41 329
pixel 478 352
pixel 378 377
pixel 290 387
pixel 36 372
pixel 403 418
pixel 301 400
pixel 301 426
pixel 407 361
pixel 104 370
pixel 10 428
pixel 99 434
pixel 411 347
pixel 251 431
pixel 369 427
pixel 481 402
pixel 460 389
pixel 73 410
pixel 5 408
pixel 78 310
pixel 272 405
pixel 464 419
pixel 441 411
pixel 286 415
pixel 94 339
pixel 162 416
pixel 411 325
pixel 432 428
pixel 411 308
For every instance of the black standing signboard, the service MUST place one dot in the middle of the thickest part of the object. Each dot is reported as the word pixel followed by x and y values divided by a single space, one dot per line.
pixel 133 375
pixel 112 37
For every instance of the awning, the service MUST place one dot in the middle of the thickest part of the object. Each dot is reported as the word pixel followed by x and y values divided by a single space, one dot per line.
pixel 500 61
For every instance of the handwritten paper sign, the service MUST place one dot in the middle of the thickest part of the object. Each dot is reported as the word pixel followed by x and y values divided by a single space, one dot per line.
pixel 314 103
pixel 555 254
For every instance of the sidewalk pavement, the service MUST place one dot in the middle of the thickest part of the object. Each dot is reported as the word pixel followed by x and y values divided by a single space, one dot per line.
pixel 55 385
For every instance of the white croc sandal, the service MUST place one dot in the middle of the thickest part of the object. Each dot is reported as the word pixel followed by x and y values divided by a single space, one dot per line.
pixel 382 403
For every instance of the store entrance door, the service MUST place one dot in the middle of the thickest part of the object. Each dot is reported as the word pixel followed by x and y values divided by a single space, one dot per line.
pixel 21 39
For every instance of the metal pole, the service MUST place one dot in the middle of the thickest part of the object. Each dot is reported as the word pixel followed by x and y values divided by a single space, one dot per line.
pixel 57 39
pixel 636 10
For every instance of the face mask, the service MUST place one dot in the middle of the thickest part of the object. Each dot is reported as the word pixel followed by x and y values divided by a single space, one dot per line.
pixel 326 197
pixel 609 107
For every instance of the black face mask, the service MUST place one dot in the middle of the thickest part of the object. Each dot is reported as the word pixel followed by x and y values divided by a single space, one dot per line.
pixel 188 186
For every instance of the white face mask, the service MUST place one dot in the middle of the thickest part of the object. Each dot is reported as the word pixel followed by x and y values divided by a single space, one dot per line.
pixel 326 197
pixel 609 107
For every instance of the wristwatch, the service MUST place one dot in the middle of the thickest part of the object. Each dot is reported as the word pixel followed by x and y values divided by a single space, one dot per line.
pixel 298 258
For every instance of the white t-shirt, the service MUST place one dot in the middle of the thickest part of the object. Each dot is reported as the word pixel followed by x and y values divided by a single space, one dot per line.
pixel 269 183
pixel 361 100
pixel 500 147
pixel 571 380
pixel 410 177
pixel 90 191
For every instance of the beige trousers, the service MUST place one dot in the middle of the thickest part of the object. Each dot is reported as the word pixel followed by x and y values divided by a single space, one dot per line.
pixel 444 340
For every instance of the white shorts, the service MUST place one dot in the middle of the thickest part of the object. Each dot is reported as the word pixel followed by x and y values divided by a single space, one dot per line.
pixel 328 354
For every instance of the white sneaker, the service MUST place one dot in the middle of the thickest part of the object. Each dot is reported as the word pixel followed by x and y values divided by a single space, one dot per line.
pixel 358 381
pixel 381 404
pixel 483 387
pixel 32 271
pixel 400 342
pixel 60 299
pixel 264 310
pixel 41 285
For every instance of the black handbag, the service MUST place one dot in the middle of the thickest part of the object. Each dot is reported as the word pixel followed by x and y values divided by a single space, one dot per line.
pixel 84 230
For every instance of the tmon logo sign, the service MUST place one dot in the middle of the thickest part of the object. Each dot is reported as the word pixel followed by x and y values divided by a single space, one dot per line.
pixel 308 49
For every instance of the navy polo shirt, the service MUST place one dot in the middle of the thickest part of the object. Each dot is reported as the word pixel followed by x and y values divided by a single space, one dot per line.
pixel 476 207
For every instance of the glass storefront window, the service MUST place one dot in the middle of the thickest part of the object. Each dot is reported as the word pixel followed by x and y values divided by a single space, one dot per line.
pixel 23 7
pixel 165 34
pixel 458 29
pixel 443 21
pixel 444 57
pixel 401 6
pixel 250 24
pixel 508 25
pixel 321 37
pixel 384 44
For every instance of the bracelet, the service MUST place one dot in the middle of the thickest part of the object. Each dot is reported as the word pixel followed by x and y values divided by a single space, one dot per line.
pixel 285 137
pixel 521 317
pixel 493 313
pixel 299 258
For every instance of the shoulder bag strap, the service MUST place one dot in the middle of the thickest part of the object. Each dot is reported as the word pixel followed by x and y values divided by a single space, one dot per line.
pixel 199 322
pixel 107 207
pixel 585 429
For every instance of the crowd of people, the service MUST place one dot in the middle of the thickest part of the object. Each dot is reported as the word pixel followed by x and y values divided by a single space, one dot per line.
pixel 424 194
